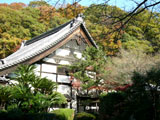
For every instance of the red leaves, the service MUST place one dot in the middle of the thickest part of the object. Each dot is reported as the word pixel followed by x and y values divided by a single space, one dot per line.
pixel 123 88
pixel 76 84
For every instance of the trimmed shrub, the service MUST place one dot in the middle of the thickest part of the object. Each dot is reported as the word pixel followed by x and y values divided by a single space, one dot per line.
pixel 111 105
pixel 84 116
pixel 66 114
pixel 16 114
pixel 30 116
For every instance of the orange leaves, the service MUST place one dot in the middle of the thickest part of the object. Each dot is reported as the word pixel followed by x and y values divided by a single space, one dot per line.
pixel 71 10
pixel 16 6
pixel 4 5
pixel 46 13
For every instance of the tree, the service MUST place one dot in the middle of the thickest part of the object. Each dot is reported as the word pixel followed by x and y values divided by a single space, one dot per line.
pixel 17 6
pixel 101 28
pixel 7 45
pixel 5 96
pixel 89 70
pixel 135 102
pixel 121 67
pixel 17 25
pixel 148 83
pixel 30 93
pixel 140 6
pixel 104 24
pixel 50 17
pixel 132 43
pixel 36 4
pixel 71 10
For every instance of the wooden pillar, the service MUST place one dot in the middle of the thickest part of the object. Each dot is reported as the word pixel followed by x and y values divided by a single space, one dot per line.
pixel 77 103
pixel 71 96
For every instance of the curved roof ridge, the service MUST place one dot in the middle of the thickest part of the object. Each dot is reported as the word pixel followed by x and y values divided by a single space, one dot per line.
pixel 46 34
pixel 33 49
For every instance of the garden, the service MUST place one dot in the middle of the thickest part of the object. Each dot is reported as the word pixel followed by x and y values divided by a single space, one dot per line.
pixel 122 73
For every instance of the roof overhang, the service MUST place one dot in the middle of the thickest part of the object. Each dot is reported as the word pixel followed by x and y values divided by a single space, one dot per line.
pixel 34 51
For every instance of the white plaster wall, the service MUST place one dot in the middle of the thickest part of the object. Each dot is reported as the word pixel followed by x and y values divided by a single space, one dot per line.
pixel 74 104
pixel 37 67
pixel 49 68
pixel 63 78
pixel 50 60
pixel 78 54
pixel 37 73
pixel 62 52
pixel 64 89
pixel 64 62
pixel 49 76
pixel 68 104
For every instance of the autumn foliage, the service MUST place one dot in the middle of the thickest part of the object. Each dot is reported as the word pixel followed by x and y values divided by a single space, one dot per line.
pixel 23 22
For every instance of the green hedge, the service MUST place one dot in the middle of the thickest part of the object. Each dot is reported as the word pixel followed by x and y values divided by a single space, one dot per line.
pixel 37 116
pixel 62 114
pixel 110 106
pixel 67 114
pixel 84 116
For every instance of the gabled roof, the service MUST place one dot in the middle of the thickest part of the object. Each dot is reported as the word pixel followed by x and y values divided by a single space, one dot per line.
pixel 45 41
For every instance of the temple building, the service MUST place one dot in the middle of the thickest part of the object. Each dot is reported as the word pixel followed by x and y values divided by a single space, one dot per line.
pixel 49 50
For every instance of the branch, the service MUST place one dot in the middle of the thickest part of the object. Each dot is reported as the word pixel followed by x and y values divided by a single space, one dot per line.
pixel 141 11
pixel 131 13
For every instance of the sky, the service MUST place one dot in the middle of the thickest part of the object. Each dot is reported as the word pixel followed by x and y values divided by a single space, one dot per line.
pixel 124 4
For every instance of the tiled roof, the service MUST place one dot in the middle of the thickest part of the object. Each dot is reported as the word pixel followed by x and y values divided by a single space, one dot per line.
pixel 41 43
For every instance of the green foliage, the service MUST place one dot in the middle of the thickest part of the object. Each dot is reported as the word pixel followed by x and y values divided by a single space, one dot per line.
pixel 84 116
pixel 145 28
pixel 110 102
pixel 44 86
pixel 15 26
pixel 18 115
pixel 100 27
pixel 68 114
pixel 5 96
pixel 136 101
pixel 30 93
pixel 35 4
pixel 132 43
pixel 7 45
pixel 20 22
pixel 112 106
pixel 91 68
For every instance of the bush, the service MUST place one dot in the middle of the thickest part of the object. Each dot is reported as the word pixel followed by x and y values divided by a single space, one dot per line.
pixel 16 114
pixel 111 105
pixel 84 116
pixel 65 114
pixel 30 116
pixel 132 104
